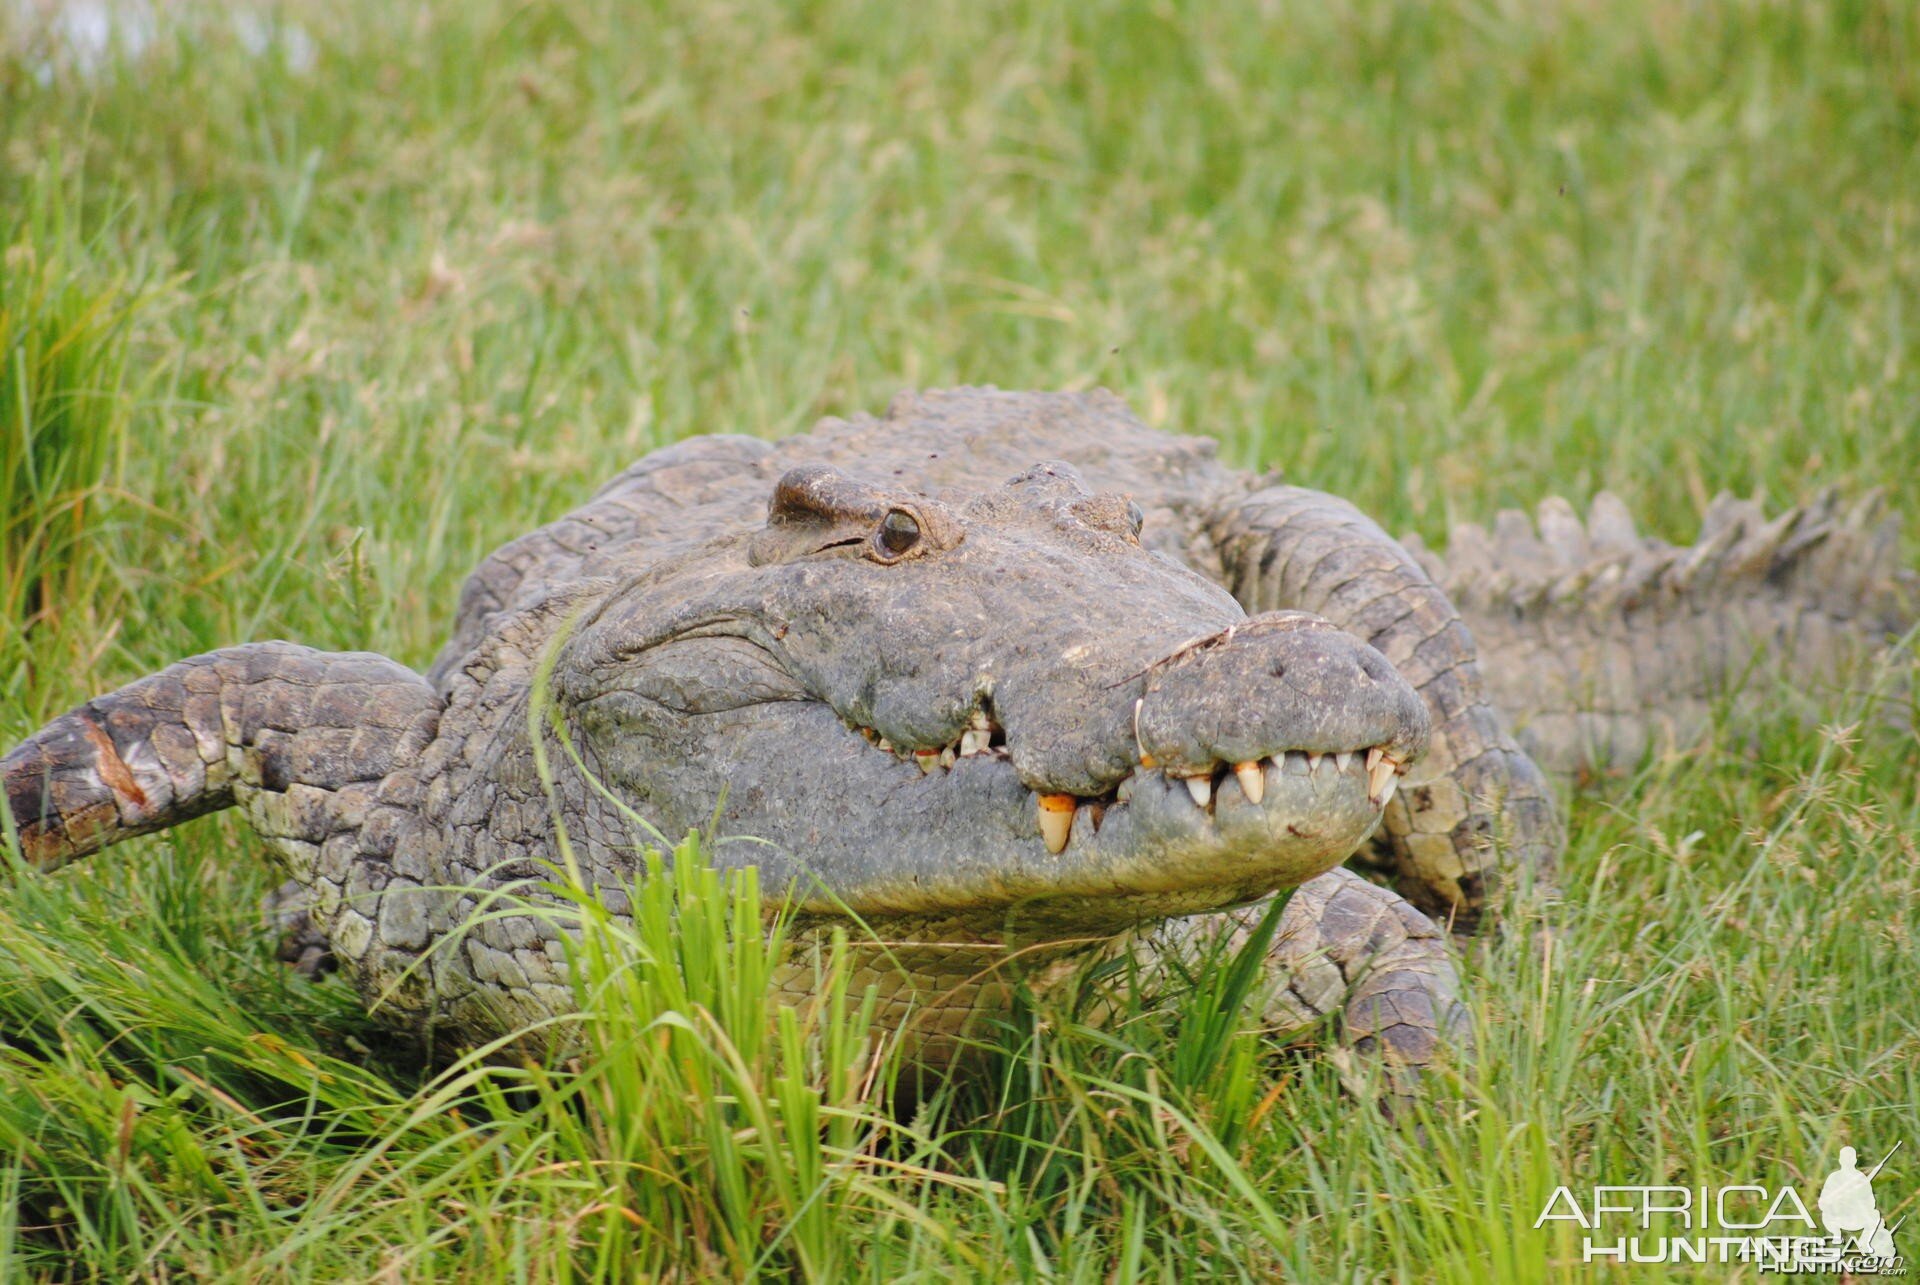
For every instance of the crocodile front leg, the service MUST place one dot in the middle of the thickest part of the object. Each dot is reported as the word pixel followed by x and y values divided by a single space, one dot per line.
pixel 1344 949
pixel 318 749
pixel 1475 807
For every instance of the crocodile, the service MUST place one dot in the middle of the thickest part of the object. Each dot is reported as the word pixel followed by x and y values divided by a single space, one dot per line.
pixel 1004 678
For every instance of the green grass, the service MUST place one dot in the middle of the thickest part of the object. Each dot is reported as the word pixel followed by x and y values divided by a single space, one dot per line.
pixel 293 337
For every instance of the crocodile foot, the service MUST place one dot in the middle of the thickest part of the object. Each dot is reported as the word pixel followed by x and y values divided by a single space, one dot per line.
pixel 302 944
pixel 1345 950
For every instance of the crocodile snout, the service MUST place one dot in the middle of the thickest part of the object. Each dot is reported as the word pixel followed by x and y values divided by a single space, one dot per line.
pixel 1285 681
pixel 1313 726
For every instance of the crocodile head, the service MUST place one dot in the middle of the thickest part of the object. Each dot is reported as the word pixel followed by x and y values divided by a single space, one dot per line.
pixel 981 709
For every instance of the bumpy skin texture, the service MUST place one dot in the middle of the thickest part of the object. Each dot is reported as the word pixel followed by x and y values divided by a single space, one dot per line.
pixel 1345 946
pixel 304 742
pixel 1603 644
pixel 981 672
pixel 1320 554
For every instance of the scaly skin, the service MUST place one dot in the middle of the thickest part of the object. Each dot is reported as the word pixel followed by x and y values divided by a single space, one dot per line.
pixel 1603 645
pixel 1027 728
pixel 1475 805
pixel 301 741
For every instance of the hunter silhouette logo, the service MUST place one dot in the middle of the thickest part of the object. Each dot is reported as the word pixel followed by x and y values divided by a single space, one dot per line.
pixel 1847 1207
pixel 1745 1223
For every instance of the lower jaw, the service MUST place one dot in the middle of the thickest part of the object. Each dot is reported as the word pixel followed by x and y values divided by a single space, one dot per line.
pixel 957 950
pixel 1156 855
pixel 1153 854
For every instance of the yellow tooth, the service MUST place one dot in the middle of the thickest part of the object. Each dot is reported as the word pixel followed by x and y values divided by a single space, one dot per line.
pixel 1386 794
pixel 927 759
pixel 1253 781
pixel 1374 756
pixel 1381 781
pixel 1056 820
pixel 1201 788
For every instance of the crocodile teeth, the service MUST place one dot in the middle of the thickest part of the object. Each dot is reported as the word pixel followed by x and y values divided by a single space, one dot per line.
pixel 1381 779
pixel 1201 788
pixel 1343 760
pixel 975 741
pixel 1146 759
pixel 1253 781
pixel 948 758
pixel 1056 820
pixel 1313 762
pixel 927 759
pixel 980 722
pixel 885 744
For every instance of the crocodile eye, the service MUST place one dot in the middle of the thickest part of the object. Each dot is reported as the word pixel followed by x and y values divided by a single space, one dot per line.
pixel 899 532
pixel 1136 517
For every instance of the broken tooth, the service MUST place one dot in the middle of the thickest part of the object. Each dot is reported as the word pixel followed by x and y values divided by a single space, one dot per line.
pixel 1380 778
pixel 1253 781
pixel 1056 820
pixel 1201 788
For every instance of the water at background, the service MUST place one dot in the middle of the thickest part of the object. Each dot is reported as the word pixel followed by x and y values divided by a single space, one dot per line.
pixel 82 36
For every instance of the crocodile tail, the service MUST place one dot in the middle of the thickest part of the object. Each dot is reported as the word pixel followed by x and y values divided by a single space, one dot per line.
pixel 283 729
pixel 1599 644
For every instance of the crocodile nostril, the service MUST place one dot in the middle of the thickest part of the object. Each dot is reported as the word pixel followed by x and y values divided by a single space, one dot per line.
pixel 1374 667
pixel 1278 670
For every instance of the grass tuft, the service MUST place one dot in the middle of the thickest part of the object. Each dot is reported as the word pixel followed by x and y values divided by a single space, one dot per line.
pixel 66 320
